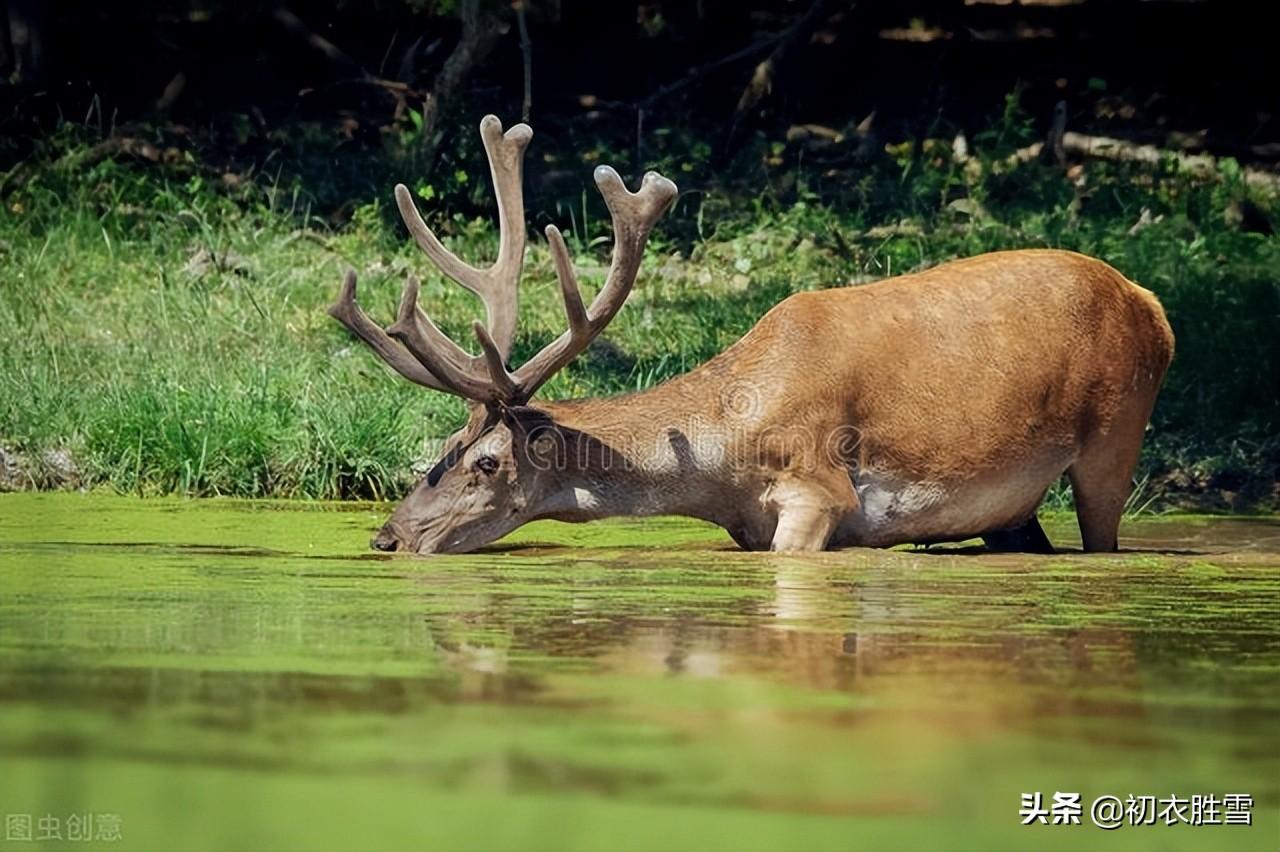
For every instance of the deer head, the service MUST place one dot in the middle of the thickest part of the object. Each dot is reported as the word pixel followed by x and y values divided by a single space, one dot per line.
pixel 499 464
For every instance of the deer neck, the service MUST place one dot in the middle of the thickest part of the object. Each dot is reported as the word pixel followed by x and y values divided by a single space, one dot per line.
pixel 648 453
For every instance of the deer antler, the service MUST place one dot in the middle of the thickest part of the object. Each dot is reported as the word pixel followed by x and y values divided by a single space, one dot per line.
pixel 417 349
pixel 634 215
pixel 498 285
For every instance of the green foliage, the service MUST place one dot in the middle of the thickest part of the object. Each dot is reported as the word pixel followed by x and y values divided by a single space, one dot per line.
pixel 1012 129
pixel 166 325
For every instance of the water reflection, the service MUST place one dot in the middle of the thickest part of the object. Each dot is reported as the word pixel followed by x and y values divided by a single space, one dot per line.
pixel 852 685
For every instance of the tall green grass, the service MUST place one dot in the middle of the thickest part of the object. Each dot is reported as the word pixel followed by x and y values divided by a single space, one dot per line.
pixel 170 332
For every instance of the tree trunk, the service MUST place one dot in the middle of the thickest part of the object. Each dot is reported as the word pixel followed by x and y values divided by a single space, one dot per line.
pixel 480 32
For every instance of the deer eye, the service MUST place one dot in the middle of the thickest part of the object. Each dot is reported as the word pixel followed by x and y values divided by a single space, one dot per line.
pixel 486 464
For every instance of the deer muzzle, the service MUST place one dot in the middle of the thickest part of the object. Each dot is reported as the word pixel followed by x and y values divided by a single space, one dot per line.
pixel 387 540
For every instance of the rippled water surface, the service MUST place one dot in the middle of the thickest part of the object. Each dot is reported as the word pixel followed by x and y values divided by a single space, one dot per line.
pixel 230 675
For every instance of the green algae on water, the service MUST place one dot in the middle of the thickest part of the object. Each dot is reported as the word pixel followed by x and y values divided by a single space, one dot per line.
pixel 230 674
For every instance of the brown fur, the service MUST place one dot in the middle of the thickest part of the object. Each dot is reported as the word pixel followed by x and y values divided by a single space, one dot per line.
pixel 932 406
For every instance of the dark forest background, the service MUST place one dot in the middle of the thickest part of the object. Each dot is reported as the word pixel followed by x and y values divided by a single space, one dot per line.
pixel 235 79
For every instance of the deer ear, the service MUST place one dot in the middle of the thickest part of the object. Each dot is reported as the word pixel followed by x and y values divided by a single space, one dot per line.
pixel 505 414
pixel 523 419
pixel 534 433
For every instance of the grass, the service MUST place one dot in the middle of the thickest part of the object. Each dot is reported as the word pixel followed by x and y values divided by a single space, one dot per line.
pixel 167 329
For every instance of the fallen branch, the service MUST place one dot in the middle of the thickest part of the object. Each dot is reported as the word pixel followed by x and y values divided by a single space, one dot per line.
pixel 1120 151
pixel 116 146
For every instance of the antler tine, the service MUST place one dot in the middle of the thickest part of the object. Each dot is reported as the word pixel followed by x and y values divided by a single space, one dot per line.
pixel 436 351
pixel 573 309
pixel 498 285
pixel 346 311
pixel 506 169
pixel 503 382
pixel 634 215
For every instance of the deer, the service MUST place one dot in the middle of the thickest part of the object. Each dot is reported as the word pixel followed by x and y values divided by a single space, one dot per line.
pixel 939 405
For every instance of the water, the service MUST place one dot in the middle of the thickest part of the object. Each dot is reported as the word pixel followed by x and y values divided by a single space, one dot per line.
pixel 230 675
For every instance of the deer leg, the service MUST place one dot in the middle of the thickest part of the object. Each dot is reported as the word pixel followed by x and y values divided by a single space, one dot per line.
pixel 803 528
pixel 1027 537
pixel 1102 476
pixel 806 517
pixel 810 508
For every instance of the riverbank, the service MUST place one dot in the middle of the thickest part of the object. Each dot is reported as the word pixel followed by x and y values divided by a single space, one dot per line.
pixel 164 328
